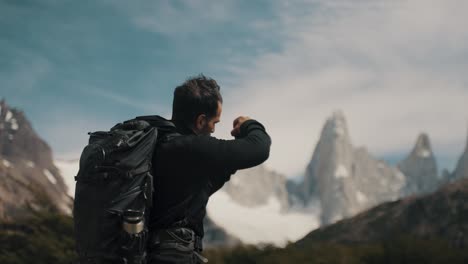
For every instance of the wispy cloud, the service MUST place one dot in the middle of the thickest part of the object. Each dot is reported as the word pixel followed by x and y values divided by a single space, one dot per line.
pixel 396 69
pixel 26 71
pixel 110 95
pixel 178 18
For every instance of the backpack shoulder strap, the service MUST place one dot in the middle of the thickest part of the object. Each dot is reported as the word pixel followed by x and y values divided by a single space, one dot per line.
pixel 167 128
pixel 158 121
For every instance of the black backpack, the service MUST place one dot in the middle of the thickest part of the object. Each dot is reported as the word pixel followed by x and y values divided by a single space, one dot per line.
pixel 114 190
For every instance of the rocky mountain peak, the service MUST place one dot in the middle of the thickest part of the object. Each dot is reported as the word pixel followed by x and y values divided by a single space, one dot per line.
pixel 331 157
pixel 18 140
pixel 8 118
pixel 423 146
pixel 420 168
pixel 335 127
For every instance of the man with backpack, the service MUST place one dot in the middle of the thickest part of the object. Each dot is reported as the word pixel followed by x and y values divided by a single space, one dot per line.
pixel 143 186
pixel 191 166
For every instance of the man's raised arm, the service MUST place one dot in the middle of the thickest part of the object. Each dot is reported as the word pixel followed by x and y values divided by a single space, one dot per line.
pixel 250 148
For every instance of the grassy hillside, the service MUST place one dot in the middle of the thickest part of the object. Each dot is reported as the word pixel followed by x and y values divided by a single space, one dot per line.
pixel 403 249
pixel 41 238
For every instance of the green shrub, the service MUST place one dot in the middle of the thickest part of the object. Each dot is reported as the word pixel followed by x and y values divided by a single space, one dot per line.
pixel 40 238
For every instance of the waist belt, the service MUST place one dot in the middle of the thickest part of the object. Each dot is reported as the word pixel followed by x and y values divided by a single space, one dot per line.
pixel 181 235
pixel 181 238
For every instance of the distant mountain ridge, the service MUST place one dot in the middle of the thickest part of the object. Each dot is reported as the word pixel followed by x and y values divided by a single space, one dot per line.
pixel 345 180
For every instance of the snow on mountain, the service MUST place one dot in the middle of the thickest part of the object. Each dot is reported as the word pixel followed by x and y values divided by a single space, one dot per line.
pixel 6 163
pixel 261 224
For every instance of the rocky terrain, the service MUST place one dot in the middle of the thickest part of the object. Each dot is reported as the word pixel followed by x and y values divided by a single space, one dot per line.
pixel 442 214
pixel 29 180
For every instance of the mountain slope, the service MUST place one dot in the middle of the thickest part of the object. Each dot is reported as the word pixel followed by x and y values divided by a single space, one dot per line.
pixel 28 177
pixel 443 214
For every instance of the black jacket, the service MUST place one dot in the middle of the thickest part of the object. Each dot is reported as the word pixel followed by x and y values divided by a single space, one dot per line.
pixel 189 168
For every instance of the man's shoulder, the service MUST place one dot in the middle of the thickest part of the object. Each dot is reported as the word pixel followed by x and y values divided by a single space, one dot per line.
pixel 182 140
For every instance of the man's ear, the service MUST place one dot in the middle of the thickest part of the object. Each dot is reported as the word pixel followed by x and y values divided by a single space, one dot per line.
pixel 200 122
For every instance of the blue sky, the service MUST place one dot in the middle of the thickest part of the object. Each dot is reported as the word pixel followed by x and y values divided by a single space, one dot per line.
pixel 395 68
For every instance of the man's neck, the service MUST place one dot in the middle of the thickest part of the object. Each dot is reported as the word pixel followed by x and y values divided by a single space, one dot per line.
pixel 183 128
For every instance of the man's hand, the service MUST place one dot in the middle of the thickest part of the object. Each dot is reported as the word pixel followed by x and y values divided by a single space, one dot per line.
pixel 237 124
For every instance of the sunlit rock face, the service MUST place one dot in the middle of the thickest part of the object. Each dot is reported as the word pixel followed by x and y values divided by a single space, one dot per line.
pixel 28 176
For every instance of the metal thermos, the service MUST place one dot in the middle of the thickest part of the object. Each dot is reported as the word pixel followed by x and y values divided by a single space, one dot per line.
pixel 133 221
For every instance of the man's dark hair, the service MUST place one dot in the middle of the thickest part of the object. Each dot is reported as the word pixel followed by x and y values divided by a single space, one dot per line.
pixel 197 95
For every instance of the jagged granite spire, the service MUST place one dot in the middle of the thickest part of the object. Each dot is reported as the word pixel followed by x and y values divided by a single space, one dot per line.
pixel 345 180
pixel 420 168
pixel 330 168
pixel 336 128
pixel 333 146
pixel 423 146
